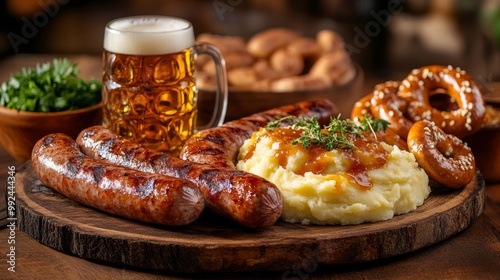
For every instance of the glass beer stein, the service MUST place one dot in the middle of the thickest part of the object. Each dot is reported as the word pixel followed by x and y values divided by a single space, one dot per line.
pixel 149 91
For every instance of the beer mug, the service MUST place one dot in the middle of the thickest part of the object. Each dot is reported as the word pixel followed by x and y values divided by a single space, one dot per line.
pixel 149 91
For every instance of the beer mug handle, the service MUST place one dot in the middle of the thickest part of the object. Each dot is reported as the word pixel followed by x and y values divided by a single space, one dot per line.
pixel 221 95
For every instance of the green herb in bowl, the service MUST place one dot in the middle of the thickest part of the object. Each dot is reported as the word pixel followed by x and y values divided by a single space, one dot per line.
pixel 50 87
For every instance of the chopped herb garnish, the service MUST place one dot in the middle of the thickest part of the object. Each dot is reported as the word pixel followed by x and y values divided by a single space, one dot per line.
pixel 49 87
pixel 334 135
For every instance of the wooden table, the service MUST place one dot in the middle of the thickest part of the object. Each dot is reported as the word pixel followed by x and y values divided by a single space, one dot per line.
pixel 471 254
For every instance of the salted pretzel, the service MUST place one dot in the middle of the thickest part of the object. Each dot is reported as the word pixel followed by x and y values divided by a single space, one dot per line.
pixel 444 157
pixel 387 105
pixel 362 108
pixel 421 84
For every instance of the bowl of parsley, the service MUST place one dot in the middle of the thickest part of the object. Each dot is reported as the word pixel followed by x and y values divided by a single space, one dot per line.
pixel 48 98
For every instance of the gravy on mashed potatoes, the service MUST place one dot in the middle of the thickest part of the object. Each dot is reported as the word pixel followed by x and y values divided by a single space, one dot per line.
pixel 369 183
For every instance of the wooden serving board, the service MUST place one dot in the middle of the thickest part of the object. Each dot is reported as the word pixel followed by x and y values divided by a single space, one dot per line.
pixel 215 244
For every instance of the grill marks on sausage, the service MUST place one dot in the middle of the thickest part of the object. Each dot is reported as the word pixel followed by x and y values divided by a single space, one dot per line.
pixel 98 172
pixel 107 144
pixel 47 141
pixel 216 139
pixel 215 186
pixel 151 198
pixel 223 188
pixel 146 188
pixel 220 145
pixel 129 154
pixel 74 165
pixel 318 109
pixel 153 159
pixel 252 122
pixel 211 151
pixel 245 198
pixel 183 171
pixel 238 130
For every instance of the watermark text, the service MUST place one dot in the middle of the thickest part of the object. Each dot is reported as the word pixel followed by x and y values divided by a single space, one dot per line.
pixel 10 190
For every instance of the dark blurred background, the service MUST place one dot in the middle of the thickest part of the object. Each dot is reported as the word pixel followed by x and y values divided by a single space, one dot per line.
pixel 384 36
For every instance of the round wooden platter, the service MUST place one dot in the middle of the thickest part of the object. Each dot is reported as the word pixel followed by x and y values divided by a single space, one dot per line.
pixel 214 244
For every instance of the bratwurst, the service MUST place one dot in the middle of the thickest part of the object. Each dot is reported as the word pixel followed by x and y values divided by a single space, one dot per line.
pixel 220 145
pixel 245 198
pixel 152 198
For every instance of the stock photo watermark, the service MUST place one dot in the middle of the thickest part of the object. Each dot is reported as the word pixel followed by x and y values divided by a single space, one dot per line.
pixel 373 28
pixel 10 191
pixel 31 26
pixel 308 266
pixel 223 6
pixel 362 37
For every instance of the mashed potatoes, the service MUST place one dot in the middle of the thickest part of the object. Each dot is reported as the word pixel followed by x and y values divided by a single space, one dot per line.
pixel 338 186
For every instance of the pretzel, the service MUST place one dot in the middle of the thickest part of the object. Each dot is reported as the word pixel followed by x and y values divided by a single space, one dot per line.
pixel 362 108
pixel 421 83
pixel 387 105
pixel 444 157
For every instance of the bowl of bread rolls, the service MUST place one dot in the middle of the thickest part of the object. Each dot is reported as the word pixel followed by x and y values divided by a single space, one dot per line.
pixel 279 66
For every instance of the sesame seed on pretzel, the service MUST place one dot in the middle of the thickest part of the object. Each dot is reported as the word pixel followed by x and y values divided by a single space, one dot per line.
pixel 444 157
pixel 421 84
pixel 362 108
pixel 387 105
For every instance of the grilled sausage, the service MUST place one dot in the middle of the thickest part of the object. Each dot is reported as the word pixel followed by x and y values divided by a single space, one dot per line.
pixel 247 199
pixel 152 198
pixel 220 145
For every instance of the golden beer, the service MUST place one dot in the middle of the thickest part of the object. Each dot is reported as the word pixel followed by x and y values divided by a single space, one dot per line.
pixel 149 90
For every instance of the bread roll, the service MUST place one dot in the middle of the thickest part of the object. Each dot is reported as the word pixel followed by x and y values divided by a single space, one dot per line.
pixel 300 83
pixel 242 77
pixel 331 65
pixel 264 43
pixel 287 63
pixel 305 47
pixel 329 40
pixel 225 44
pixel 264 70
pixel 278 59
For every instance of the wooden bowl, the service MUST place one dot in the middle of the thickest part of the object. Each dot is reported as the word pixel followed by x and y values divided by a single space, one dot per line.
pixel 20 130
pixel 485 144
pixel 243 103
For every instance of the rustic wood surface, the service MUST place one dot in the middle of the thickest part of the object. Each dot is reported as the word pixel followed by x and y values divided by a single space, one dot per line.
pixel 473 253
pixel 214 244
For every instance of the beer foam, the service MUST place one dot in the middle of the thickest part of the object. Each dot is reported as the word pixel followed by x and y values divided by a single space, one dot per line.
pixel 148 35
